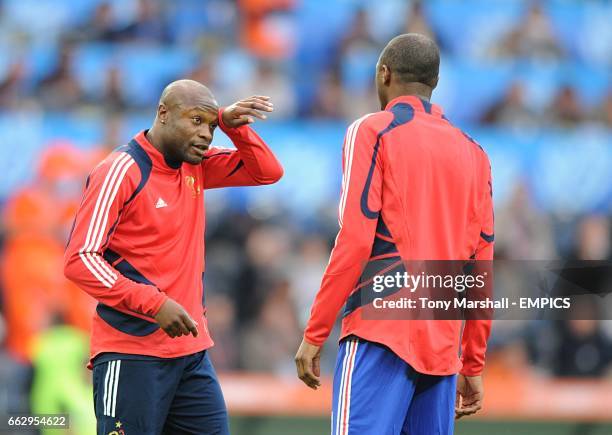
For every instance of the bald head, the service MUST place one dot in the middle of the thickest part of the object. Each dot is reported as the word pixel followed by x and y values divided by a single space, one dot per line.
pixel 187 93
pixel 187 115
pixel 412 58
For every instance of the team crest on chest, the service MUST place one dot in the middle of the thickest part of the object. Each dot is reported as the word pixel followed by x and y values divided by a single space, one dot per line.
pixel 193 184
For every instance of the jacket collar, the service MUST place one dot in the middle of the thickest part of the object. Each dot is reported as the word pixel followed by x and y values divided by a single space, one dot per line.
pixel 417 103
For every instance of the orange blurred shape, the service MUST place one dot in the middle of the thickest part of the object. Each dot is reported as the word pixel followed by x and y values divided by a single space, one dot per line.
pixel 263 6
pixel 30 211
pixel 61 160
pixel 31 269
pixel 526 397
pixel 36 292
pixel 260 34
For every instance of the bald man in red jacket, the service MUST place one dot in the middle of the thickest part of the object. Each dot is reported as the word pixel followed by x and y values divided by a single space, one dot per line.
pixel 137 246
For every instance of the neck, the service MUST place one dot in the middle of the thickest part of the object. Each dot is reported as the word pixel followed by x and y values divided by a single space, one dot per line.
pixel 419 90
pixel 152 136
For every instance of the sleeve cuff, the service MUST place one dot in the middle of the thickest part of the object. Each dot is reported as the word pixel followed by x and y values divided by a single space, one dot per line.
pixel 471 370
pixel 228 130
pixel 308 339
pixel 157 303
pixel 220 115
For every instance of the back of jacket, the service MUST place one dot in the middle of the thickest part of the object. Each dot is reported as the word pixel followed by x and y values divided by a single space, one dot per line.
pixel 414 188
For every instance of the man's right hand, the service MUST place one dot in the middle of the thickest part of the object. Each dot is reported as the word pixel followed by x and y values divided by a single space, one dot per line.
pixel 470 393
pixel 308 364
pixel 175 321
pixel 245 111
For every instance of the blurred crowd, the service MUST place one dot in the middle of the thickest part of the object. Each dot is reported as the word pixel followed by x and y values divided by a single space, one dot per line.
pixel 116 56
pixel 110 59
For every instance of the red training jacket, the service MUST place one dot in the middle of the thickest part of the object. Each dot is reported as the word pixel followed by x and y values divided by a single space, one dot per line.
pixel 417 186
pixel 138 238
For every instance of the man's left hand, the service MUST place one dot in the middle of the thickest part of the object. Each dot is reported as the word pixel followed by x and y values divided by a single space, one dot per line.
pixel 245 111
pixel 308 364
pixel 469 396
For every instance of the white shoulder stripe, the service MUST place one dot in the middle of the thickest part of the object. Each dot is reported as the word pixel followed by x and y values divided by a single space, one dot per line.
pixel 99 219
pixel 110 182
pixel 349 146
pixel 110 202
pixel 88 259
pixel 348 164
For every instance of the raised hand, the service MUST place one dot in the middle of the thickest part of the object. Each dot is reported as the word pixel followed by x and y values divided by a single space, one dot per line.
pixel 245 111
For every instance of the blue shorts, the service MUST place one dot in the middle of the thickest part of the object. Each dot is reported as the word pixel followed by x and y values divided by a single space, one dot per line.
pixel 377 393
pixel 140 395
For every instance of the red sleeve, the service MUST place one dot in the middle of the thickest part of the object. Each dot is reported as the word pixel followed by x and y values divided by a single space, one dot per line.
pixel 356 236
pixel 108 188
pixel 252 163
pixel 476 332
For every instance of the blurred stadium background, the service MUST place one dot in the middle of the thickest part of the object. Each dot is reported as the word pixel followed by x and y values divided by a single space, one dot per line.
pixel 530 80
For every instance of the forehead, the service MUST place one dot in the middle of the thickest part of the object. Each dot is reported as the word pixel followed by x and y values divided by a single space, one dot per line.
pixel 199 101
pixel 206 111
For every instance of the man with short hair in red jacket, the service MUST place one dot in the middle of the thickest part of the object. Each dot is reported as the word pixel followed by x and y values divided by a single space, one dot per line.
pixel 414 187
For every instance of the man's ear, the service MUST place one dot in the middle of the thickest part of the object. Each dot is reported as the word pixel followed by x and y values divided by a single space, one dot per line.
pixel 385 74
pixel 434 82
pixel 162 113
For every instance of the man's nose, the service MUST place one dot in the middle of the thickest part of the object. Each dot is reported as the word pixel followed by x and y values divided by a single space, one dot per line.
pixel 205 133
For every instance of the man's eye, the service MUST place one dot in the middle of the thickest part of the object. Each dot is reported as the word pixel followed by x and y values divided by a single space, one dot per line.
pixel 213 126
pixel 197 120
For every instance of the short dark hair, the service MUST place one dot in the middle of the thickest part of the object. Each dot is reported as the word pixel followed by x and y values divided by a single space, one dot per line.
pixel 414 57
